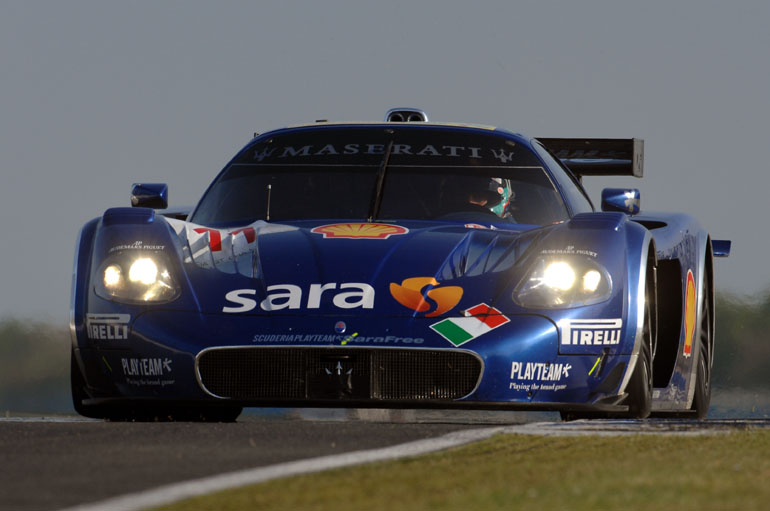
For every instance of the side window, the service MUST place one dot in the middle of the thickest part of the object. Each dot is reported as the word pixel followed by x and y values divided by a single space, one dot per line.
pixel 569 185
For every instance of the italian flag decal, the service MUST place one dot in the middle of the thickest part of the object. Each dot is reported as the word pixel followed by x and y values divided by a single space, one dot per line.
pixel 478 320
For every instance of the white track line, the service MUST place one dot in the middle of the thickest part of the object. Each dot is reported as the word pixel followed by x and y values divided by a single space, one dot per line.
pixel 48 419
pixel 178 491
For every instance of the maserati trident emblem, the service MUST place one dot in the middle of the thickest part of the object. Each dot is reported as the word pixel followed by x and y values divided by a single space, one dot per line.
pixel 338 370
pixel 338 382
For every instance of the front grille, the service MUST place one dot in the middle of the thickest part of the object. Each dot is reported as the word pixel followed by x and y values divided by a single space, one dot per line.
pixel 361 374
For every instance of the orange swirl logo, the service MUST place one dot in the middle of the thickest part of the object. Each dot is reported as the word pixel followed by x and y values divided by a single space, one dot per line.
pixel 410 294
pixel 689 314
pixel 360 231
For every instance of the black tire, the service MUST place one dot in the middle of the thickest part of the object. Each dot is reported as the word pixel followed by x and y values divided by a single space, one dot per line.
pixel 198 414
pixel 574 416
pixel 77 385
pixel 702 397
pixel 220 414
pixel 640 386
pixel 78 389
pixel 160 413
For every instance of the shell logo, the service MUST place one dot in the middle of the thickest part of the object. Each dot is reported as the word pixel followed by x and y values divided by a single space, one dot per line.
pixel 689 314
pixel 410 294
pixel 360 231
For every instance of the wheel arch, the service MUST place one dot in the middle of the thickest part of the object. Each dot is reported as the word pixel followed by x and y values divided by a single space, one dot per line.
pixel 647 270
pixel 710 294
pixel 705 293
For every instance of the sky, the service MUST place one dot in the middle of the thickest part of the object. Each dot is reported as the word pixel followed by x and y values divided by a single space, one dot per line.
pixel 97 95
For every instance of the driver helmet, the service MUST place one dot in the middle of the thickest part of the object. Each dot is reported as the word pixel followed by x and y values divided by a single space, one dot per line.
pixel 505 194
pixel 496 191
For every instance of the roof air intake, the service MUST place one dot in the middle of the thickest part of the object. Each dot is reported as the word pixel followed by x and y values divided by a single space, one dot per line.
pixel 406 115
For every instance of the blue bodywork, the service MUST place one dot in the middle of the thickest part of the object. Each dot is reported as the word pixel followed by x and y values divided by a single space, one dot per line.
pixel 343 285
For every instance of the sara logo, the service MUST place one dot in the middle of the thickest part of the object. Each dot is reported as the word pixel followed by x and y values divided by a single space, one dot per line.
pixel 421 294
pixel 689 314
pixel 349 295
pixel 360 231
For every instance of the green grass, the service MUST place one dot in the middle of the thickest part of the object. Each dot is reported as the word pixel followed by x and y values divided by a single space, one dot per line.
pixel 34 367
pixel 726 471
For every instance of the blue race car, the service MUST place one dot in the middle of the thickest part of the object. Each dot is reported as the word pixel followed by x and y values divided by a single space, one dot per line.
pixel 401 264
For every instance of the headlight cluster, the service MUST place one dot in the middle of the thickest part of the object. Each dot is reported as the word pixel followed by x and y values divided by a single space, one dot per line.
pixel 559 282
pixel 131 278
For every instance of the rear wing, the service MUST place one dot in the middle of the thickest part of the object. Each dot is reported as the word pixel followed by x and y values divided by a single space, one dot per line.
pixel 599 156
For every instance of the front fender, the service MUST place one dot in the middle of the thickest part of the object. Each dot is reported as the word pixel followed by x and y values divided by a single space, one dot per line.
pixel 81 270
pixel 640 255
pixel 132 231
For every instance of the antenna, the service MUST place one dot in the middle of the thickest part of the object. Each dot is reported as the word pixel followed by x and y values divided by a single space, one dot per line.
pixel 269 191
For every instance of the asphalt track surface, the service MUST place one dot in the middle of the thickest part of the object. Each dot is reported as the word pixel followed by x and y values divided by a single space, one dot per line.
pixel 53 465
pixel 50 464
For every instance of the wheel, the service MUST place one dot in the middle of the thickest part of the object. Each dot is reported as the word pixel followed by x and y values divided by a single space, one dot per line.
pixel 221 414
pixel 78 389
pixel 640 386
pixel 200 414
pixel 161 413
pixel 574 416
pixel 702 397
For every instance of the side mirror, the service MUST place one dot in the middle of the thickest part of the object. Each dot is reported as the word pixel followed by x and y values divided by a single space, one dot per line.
pixel 721 248
pixel 149 195
pixel 624 200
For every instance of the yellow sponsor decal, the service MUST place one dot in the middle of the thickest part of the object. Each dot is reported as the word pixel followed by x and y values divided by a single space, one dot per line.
pixel 360 231
pixel 689 314
pixel 410 294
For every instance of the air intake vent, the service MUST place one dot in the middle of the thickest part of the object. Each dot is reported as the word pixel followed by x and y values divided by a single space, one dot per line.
pixel 339 374
pixel 406 115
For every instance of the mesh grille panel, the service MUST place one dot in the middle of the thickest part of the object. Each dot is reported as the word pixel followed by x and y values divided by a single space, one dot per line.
pixel 318 373
pixel 254 374
pixel 402 374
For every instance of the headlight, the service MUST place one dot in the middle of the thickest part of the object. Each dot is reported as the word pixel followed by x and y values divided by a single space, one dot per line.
pixel 140 278
pixel 566 281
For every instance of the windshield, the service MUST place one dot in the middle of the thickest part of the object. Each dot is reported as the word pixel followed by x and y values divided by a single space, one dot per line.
pixel 430 174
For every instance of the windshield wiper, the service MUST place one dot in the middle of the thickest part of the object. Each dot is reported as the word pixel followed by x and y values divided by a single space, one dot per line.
pixel 374 210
